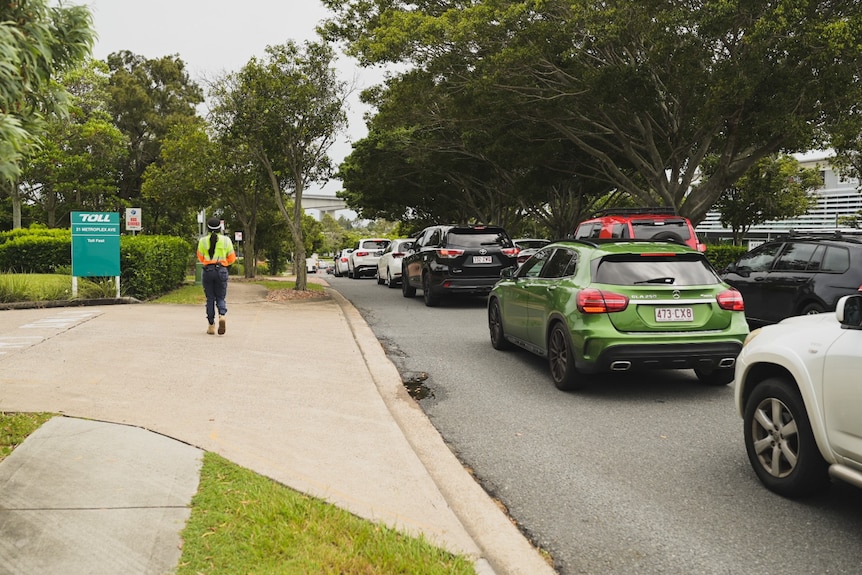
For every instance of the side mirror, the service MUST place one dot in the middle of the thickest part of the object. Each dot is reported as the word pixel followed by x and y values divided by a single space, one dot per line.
pixel 731 268
pixel 508 273
pixel 849 311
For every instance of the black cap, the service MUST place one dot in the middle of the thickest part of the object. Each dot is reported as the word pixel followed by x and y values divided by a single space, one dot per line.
pixel 214 224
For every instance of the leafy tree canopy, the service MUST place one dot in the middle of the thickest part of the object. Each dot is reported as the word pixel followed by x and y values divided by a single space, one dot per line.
pixel 648 90
pixel 775 188
pixel 37 42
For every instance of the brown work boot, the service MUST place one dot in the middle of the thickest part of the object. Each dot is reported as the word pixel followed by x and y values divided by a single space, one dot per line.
pixel 221 325
pixel 211 329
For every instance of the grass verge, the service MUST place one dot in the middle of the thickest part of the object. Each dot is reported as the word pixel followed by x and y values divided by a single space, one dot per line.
pixel 243 523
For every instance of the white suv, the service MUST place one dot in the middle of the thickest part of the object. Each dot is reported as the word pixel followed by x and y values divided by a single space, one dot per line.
pixel 363 259
pixel 799 391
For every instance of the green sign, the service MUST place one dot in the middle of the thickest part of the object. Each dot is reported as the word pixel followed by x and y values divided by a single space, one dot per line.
pixel 95 244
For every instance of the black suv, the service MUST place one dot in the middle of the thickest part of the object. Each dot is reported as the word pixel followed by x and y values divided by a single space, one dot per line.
pixel 796 275
pixel 450 259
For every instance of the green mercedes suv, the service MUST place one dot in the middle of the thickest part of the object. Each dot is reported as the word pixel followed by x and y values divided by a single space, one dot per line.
pixel 594 306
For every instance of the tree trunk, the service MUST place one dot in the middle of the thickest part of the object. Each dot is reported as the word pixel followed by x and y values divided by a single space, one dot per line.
pixel 248 250
pixel 16 206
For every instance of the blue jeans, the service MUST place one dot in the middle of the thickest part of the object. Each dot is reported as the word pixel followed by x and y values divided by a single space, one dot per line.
pixel 214 280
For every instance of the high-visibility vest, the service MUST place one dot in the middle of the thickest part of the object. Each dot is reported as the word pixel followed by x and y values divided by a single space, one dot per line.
pixel 223 253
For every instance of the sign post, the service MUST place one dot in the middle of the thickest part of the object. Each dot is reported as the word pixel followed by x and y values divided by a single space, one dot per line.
pixel 95 246
pixel 133 219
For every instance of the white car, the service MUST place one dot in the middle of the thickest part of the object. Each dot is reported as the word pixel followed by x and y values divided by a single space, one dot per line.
pixel 799 392
pixel 528 246
pixel 363 259
pixel 389 264
pixel 341 260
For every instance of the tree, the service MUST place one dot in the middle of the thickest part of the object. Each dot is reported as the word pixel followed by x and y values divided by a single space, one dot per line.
pixel 648 89
pixel 775 188
pixel 76 165
pixel 469 157
pixel 287 110
pixel 37 42
pixel 147 97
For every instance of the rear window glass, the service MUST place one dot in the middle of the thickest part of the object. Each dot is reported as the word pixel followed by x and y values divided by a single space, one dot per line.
pixel 836 260
pixel 375 245
pixel 662 270
pixel 648 229
pixel 464 239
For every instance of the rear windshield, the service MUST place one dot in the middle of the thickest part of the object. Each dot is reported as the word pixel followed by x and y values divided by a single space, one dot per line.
pixel 478 239
pixel 651 228
pixel 374 245
pixel 529 244
pixel 661 270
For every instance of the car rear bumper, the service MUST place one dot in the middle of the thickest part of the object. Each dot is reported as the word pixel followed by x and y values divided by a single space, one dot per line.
pixel 365 269
pixel 462 285
pixel 623 357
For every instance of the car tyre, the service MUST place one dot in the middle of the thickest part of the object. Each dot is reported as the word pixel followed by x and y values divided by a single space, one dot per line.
pixel 495 326
pixel 779 441
pixel 390 283
pixel 561 360
pixel 672 236
pixel 380 280
pixel 356 275
pixel 715 376
pixel 812 309
pixel 407 290
pixel 431 299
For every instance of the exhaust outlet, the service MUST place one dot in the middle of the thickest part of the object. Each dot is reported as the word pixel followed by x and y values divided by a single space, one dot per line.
pixel 727 362
pixel 621 365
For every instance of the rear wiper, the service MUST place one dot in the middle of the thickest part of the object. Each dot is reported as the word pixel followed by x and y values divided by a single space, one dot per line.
pixel 664 280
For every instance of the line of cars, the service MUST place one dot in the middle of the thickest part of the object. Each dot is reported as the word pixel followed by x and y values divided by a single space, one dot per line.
pixel 631 300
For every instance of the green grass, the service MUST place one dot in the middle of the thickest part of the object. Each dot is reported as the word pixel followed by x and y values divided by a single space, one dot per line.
pixel 34 287
pixel 15 427
pixel 243 523
pixel 194 294
pixel 50 287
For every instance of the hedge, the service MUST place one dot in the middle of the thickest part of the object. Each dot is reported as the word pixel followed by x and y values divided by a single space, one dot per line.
pixel 149 265
pixel 722 255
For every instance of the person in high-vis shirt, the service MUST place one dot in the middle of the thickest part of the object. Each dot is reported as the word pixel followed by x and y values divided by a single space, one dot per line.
pixel 215 252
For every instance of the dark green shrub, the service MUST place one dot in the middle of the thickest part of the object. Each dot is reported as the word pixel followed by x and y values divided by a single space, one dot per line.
pixel 36 253
pixel 722 255
pixel 32 231
pixel 152 265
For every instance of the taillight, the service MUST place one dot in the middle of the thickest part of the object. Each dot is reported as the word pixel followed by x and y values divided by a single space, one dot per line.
pixel 730 300
pixel 511 252
pixel 449 253
pixel 397 255
pixel 597 301
pixel 360 254
pixel 343 260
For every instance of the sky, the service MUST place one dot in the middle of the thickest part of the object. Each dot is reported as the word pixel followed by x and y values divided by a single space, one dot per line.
pixel 215 37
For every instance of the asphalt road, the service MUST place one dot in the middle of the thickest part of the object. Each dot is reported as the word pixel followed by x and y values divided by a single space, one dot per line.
pixel 640 473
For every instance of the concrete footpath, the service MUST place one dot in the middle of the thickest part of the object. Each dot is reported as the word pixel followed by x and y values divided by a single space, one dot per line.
pixel 299 391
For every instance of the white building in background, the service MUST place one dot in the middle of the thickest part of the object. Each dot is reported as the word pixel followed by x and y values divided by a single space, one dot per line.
pixel 837 197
